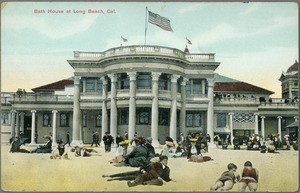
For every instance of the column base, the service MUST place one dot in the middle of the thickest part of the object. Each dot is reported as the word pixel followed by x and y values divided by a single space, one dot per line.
pixel 32 144
pixel 77 143
pixel 155 143
pixel 54 144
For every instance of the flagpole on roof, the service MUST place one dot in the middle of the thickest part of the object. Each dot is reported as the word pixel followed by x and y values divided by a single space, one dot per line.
pixel 121 41
pixel 146 25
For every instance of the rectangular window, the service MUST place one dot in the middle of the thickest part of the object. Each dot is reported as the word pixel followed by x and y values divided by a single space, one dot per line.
pixel 46 120
pixel 124 81
pixel 84 119
pixel 221 120
pixel 193 119
pixel 144 80
pixel 143 116
pixel 197 89
pixel 5 118
pixel 188 88
pixel 163 82
pixel 163 116
pixel 90 85
pixel 99 86
pixel 99 120
pixel 64 120
pixel 123 116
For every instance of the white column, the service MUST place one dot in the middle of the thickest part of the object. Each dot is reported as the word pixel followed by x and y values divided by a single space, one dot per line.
pixel 22 114
pixel 104 109
pixel 173 121
pixel 183 107
pixel 33 128
pixel 13 124
pixel 256 122
pixel 113 106
pixel 210 110
pixel 154 110
pixel 17 124
pixel 279 127
pixel 231 127
pixel 54 143
pixel 263 127
pixel 132 105
pixel 76 140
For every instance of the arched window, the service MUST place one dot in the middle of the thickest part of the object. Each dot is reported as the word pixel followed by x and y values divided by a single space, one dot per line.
pixel 46 120
pixel 64 120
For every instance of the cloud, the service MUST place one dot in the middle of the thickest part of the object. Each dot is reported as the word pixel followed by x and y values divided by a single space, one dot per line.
pixel 191 7
pixel 53 30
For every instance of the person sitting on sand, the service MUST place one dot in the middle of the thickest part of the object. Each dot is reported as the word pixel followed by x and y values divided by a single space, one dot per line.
pixel 157 174
pixel 227 179
pixel 199 158
pixel 60 151
pixel 46 148
pixel 249 178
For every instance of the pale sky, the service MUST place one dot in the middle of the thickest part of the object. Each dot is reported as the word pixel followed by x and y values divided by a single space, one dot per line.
pixel 254 41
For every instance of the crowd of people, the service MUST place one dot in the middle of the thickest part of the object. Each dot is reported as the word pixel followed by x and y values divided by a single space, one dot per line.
pixel 153 170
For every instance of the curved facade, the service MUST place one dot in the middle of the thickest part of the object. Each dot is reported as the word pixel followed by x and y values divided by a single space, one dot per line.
pixel 152 90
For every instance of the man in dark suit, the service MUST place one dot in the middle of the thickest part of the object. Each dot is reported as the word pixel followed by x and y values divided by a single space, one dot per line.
pixel 108 140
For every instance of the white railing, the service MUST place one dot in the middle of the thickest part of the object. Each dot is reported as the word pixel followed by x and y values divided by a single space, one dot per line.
pixel 155 50
pixel 43 98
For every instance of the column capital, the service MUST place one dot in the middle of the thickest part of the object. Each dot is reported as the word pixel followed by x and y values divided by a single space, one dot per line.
pixel 155 75
pixel 33 111
pixel 262 117
pixel 54 111
pixel 279 117
pixel 174 78
pixel 255 114
pixel 22 113
pixel 211 82
pixel 77 79
pixel 230 113
pixel 113 77
pixel 132 75
pixel 104 81
pixel 184 81
pixel 13 111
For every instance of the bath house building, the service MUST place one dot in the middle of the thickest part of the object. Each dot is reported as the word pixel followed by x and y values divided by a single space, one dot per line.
pixel 153 91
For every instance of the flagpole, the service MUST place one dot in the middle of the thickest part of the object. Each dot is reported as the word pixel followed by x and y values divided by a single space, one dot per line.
pixel 146 25
pixel 121 41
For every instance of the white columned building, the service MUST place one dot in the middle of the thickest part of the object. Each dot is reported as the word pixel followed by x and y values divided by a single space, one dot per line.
pixel 22 114
pixel 231 126
pixel 54 143
pixel 173 121
pixel 113 106
pixel 279 127
pixel 154 110
pixel 17 124
pixel 256 122
pixel 263 127
pixel 183 106
pixel 76 139
pixel 13 124
pixel 33 128
pixel 210 109
pixel 104 109
pixel 132 105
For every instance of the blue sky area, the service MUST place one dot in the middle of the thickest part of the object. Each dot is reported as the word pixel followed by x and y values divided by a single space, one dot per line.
pixel 254 42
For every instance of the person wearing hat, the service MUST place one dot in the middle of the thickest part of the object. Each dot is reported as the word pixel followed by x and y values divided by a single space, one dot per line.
pixel 155 175
pixel 108 140
pixel 61 151
pixel 249 178
pixel 227 179
pixel 46 148
pixel 167 149
pixel 138 157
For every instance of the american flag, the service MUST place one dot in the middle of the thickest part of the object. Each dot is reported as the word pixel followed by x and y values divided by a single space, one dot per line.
pixel 188 41
pixel 159 21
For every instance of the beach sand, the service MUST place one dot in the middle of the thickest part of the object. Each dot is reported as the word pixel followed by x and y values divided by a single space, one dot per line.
pixel 37 172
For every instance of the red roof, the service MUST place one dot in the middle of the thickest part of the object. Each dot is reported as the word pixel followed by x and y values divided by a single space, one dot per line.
pixel 59 85
pixel 239 87
pixel 294 67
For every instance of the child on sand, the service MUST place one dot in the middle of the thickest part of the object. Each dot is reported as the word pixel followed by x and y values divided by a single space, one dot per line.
pixel 227 179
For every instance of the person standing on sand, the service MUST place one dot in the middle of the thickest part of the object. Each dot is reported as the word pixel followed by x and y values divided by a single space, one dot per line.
pixel 249 178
